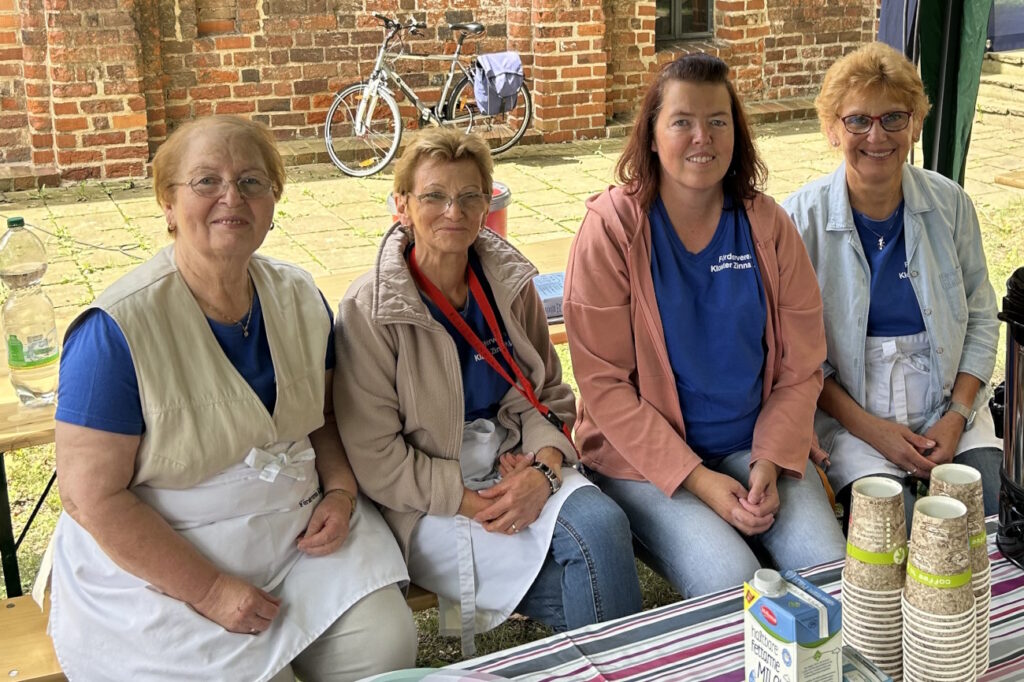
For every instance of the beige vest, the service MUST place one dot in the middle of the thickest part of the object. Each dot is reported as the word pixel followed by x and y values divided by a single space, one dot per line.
pixel 201 416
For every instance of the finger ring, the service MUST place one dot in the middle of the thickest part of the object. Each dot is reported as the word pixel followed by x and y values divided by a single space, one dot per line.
pixel 514 529
pixel 913 472
pixel 252 631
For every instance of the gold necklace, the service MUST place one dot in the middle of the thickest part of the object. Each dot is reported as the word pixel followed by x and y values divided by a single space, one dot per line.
pixel 248 316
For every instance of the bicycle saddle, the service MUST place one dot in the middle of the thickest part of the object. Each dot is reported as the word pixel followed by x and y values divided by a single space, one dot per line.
pixel 472 28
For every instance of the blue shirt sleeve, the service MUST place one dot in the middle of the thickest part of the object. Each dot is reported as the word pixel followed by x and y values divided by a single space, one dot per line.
pixel 98 387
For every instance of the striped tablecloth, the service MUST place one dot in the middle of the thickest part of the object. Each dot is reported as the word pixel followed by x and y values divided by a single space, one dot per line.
pixel 702 639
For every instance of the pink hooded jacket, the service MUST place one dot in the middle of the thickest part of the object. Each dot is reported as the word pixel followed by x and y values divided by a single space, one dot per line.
pixel 630 423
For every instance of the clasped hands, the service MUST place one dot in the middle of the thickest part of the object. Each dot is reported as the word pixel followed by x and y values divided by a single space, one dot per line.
pixel 914 453
pixel 513 503
pixel 750 511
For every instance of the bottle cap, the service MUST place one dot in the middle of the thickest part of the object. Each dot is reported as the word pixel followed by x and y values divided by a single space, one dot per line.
pixel 15 221
pixel 768 582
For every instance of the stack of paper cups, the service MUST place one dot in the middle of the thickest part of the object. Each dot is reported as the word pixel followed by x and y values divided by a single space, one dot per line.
pixel 964 483
pixel 939 623
pixel 872 581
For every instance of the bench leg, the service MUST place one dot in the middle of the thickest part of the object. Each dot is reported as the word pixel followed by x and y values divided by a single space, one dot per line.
pixel 8 550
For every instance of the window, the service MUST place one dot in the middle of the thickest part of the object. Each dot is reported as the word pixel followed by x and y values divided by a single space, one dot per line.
pixel 676 19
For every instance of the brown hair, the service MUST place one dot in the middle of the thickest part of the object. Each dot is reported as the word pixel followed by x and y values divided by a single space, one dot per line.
pixel 638 167
pixel 167 161
pixel 877 69
pixel 444 144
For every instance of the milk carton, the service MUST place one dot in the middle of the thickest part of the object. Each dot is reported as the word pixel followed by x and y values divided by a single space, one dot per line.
pixel 792 630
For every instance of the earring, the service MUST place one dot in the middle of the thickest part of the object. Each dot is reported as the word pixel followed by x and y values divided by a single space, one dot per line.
pixel 171 228
pixel 835 143
pixel 271 224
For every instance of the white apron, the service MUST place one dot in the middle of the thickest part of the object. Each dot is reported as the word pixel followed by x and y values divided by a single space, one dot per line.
pixel 108 624
pixel 480 577
pixel 897 387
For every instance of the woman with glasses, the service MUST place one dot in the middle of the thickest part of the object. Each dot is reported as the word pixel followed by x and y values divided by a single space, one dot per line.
pixel 213 528
pixel 910 316
pixel 695 331
pixel 456 418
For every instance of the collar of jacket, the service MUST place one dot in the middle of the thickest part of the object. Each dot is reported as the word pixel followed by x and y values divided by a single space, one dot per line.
pixel 396 298
pixel 840 213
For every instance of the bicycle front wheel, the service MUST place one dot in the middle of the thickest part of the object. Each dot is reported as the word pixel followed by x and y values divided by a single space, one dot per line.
pixel 501 131
pixel 362 153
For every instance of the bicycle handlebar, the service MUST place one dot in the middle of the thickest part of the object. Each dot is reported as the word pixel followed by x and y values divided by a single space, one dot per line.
pixel 412 25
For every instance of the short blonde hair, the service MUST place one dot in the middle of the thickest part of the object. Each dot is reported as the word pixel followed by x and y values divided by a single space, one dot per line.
pixel 444 144
pixel 876 69
pixel 167 161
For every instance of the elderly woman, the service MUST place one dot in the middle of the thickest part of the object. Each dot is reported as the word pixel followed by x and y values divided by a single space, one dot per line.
pixel 695 331
pixel 910 316
pixel 212 526
pixel 457 419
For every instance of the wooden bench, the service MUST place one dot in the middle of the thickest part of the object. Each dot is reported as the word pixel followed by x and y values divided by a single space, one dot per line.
pixel 26 651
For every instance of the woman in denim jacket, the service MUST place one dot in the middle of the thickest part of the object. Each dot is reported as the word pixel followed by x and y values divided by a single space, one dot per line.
pixel 910 316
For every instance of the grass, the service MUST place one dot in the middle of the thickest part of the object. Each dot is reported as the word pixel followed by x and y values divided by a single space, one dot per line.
pixel 29 470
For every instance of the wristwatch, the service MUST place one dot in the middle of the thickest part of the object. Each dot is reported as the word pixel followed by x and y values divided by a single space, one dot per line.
pixel 553 480
pixel 964 411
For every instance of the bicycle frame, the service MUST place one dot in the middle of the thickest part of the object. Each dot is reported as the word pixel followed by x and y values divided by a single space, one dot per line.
pixel 383 73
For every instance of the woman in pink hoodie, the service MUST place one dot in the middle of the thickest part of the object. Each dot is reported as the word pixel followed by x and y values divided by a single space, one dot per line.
pixel 695 326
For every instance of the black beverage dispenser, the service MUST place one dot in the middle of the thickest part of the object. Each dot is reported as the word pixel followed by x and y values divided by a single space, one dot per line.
pixel 1010 537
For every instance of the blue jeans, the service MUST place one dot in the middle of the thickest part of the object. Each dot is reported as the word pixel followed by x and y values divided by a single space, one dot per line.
pixel 699 552
pixel 988 461
pixel 590 574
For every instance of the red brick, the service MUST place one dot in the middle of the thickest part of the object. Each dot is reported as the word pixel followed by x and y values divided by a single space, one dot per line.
pixel 233 43
pixel 70 124
pixel 123 170
pixel 234 107
pixel 66 108
pixel 126 121
pixel 76 156
pixel 215 26
pixel 129 152
pixel 104 139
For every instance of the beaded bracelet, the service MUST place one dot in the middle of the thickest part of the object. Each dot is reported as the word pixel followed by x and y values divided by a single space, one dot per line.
pixel 347 493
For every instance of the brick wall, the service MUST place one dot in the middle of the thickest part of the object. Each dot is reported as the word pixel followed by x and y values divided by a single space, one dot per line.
pixel 92 87
pixel 15 143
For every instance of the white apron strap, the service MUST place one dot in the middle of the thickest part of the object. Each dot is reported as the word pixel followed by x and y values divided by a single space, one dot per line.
pixel 467 584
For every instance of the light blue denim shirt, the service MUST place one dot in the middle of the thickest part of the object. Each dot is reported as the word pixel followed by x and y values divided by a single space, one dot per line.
pixel 946 265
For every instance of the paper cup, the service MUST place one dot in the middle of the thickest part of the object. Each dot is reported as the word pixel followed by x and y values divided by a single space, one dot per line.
pixel 876 547
pixel 941 620
pixel 939 563
pixel 964 483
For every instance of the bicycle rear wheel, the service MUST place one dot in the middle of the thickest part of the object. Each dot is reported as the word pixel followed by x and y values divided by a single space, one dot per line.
pixel 361 155
pixel 501 131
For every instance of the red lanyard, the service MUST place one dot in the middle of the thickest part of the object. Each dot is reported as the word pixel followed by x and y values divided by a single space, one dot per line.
pixel 477 292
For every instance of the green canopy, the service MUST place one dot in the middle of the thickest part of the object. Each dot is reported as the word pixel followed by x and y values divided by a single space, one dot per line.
pixel 952 40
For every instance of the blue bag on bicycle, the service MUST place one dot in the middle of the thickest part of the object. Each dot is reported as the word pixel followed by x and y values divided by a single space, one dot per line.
pixel 496 82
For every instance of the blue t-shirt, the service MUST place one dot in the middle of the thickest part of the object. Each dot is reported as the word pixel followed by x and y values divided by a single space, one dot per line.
pixel 713 312
pixel 893 310
pixel 482 387
pixel 98 386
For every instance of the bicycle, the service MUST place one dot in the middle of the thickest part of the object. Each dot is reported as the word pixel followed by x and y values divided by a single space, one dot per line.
pixel 364 127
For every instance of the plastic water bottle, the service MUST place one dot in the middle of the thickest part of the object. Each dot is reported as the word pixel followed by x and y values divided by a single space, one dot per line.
pixel 28 323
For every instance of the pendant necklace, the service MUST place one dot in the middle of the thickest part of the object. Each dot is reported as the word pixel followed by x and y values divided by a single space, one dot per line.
pixel 248 316
pixel 891 220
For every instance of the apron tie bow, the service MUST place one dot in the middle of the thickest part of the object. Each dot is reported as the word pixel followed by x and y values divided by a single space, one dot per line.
pixel 288 463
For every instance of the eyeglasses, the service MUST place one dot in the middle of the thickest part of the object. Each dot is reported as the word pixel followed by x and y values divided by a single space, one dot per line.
pixel 893 122
pixel 214 186
pixel 439 202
